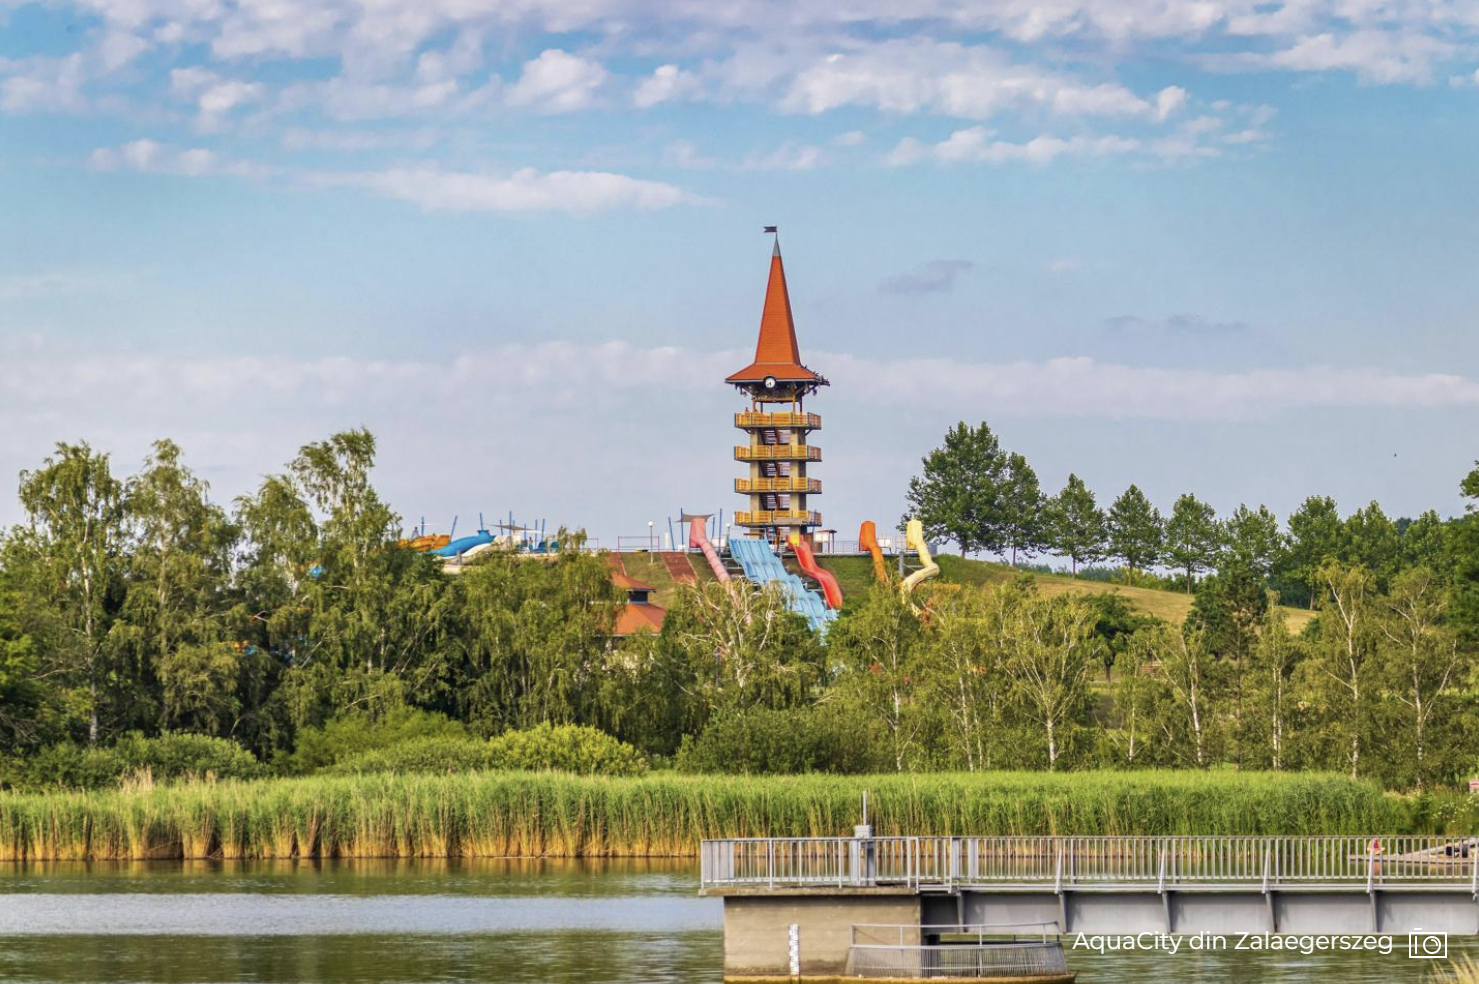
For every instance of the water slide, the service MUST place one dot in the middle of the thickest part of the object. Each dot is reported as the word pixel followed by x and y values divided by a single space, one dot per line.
pixel 698 537
pixel 762 566
pixel 831 590
pixel 914 536
pixel 868 540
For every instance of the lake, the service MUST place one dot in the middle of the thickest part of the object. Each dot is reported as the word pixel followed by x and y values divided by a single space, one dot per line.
pixel 368 922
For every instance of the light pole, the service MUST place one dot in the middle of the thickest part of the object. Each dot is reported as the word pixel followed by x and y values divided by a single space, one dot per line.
pixel 649 536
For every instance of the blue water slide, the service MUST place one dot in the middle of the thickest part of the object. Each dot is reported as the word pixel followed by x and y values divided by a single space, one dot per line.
pixel 463 544
pixel 762 566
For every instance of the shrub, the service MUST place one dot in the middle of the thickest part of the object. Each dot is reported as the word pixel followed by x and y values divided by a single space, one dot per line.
pixel 352 735
pixel 429 756
pixel 167 758
pixel 568 748
pixel 768 742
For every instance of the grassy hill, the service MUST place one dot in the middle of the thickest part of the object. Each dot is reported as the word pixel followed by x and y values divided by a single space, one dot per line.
pixel 855 576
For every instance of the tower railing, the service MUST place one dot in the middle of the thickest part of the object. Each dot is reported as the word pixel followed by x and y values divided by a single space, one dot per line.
pixel 774 452
pixel 778 418
pixel 794 483
pixel 777 517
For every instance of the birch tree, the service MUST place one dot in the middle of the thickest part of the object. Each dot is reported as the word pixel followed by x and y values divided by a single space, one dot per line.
pixel 1051 650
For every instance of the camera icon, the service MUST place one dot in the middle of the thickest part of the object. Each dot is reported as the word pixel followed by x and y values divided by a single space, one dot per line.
pixel 1427 946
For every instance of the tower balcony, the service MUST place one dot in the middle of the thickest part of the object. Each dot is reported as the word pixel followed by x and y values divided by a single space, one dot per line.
pixel 793 483
pixel 778 517
pixel 778 452
pixel 784 419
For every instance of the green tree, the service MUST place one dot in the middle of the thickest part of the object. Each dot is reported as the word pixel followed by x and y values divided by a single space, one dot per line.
pixel 1422 542
pixel 967 680
pixel 1420 660
pixel 1193 682
pixel 881 650
pixel 1193 537
pixel 1269 690
pixel 1371 541
pixel 74 537
pixel 1346 652
pixel 1023 501
pixel 1254 540
pixel 962 494
pixel 22 690
pixel 1051 650
pixel 1075 525
pixel 178 598
pixel 1315 536
pixel 1136 531
pixel 1135 696
pixel 1462 553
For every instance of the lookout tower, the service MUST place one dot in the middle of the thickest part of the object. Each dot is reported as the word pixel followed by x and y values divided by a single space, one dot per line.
pixel 776 423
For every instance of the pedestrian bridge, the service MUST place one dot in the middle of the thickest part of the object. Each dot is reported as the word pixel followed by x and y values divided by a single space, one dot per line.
pixel 1338 885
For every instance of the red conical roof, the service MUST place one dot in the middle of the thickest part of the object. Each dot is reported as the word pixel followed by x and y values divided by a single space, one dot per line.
pixel 776 352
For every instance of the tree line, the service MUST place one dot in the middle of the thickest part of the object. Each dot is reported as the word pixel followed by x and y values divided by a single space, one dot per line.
pixel 134 606
pixel 984 498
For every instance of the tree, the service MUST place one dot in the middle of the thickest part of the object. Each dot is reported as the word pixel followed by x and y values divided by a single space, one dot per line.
pixel 1347 648
pixel 177 601
pixel 1022 499
pixel 1227 613
pixel 1462 554
pixel 1050 651
pixel 1315 536
pixel 75 535
pixel 1420 657
pixel 1422 542
pixel 1075 525
pixel 880 648
pixel 1371 542
pixel 1193 537
pixel 1253 539
pixel 961 496
pixel 1136 531
pixel 1273 660
pixel 1193 681
pixel 1134 697
pixel 966 679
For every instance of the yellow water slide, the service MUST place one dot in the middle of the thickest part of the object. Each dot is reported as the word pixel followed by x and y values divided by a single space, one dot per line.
pixel 914 536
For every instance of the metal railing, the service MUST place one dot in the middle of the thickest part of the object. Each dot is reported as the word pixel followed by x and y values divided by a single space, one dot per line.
pixel 954 951
pixel 775 517
pixel 1076 862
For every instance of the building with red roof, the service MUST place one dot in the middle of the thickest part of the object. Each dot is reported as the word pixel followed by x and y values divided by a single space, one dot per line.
pixel 777 425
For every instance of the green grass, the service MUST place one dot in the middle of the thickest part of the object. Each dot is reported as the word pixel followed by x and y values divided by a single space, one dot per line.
pixel 855 576
pixel 500 814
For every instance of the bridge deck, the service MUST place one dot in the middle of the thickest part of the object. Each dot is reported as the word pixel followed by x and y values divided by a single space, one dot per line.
pixel 933 864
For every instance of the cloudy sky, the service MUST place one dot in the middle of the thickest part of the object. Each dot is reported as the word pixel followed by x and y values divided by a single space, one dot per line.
pixel 1203 245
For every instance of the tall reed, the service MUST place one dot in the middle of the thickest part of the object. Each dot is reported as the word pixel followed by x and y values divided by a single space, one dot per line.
pixel 502 814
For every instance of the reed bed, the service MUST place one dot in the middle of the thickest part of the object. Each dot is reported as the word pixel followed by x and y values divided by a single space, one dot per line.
pixel 514 814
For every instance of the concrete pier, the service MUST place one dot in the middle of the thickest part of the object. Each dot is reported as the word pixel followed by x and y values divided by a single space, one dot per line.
pixel 828 907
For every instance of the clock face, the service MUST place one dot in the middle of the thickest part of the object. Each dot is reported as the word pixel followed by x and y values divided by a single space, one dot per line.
pixel 770 382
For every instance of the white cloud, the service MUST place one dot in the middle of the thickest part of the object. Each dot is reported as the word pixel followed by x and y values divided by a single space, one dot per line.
pixel 558 82
pixel 1377 56
pixel 525 190
pixel 152 157
pixel 972 82
pixel 35 85
pixel 978 145
pixel 685 153
pixel 852 138
pixel 667 83
pixel 789 156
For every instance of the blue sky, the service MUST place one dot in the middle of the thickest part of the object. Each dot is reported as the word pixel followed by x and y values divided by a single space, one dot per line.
pixel 1218 247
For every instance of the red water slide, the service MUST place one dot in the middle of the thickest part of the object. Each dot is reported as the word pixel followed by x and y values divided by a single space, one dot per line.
pixel 831 590
pixel 698 537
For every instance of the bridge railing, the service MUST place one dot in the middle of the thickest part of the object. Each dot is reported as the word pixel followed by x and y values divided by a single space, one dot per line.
pixel 1076 862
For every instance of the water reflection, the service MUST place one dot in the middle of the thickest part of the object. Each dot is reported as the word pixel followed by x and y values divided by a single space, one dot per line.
pixel 461 922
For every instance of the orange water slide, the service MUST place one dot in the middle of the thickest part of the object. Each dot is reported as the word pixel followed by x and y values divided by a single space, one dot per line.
pixel 868 540
pixel 698 537
pixel 831 590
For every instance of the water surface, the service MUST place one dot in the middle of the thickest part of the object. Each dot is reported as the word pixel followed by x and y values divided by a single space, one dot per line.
pixel 459 922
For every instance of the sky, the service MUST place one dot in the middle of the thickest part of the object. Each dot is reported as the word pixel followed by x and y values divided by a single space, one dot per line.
pixel 1206 246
